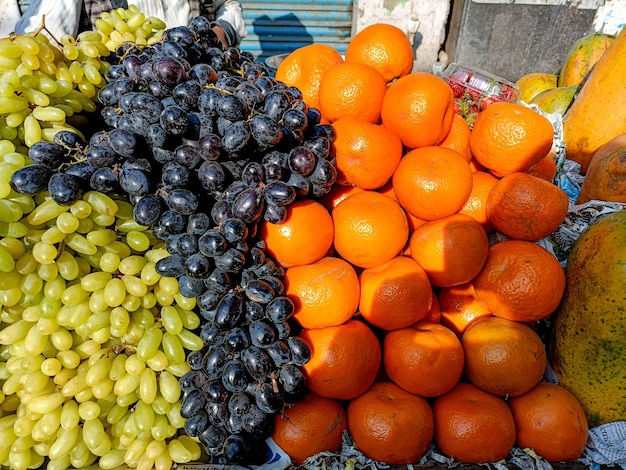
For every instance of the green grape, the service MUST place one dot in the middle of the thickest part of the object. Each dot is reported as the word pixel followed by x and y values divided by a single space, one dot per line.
pixel 51 366
pixel 103 389
pixel 173 349
pixel 65 440
pixel 48 113
pixel 95 281
pixel 7 263
pixel 68 358
pixel 112 459
pixel 98 371
pixel 101 237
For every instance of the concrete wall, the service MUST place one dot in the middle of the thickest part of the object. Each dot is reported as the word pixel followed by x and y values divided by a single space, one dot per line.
pixel 505 37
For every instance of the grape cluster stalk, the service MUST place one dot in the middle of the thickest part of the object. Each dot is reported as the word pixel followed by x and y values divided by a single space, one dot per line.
pixel 191 344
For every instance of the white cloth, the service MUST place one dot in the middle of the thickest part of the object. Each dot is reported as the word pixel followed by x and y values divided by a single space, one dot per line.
pixel 62 16
pixel 8 18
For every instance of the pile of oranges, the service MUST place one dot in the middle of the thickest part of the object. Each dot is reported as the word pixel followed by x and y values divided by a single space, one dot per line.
pixel 422 329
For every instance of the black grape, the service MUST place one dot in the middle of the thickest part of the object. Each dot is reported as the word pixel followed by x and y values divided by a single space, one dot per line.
pixel 31 179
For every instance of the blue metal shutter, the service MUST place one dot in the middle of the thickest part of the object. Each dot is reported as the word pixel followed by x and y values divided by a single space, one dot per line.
pixel 281 26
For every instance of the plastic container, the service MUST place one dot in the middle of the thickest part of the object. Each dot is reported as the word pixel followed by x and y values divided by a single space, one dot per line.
pixel 474 89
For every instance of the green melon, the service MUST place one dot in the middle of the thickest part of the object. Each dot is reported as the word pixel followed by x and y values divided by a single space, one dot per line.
pixel 587 347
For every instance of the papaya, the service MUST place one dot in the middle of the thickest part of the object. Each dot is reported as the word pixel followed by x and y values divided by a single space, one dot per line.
pixel 533 83
pixel 606 176
pixel 598 113
pixel 582 56
pixel 587 342
pixel 556 100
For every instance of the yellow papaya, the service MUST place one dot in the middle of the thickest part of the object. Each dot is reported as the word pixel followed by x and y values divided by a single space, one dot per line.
pixel 588 333
pixel 582 56
pixel 606 176
pixel 533 83
pixel 556 100
pixel 598 113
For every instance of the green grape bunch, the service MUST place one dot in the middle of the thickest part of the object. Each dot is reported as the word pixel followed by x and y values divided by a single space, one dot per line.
pixel 93 341
pixel 49 84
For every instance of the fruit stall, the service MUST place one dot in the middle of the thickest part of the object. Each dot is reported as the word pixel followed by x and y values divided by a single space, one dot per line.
pixel 208 262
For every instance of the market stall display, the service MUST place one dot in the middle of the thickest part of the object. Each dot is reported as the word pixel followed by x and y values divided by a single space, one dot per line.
pixel 198 262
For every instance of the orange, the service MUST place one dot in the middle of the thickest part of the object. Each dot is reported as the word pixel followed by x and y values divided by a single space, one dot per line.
pixel 460 307
pixel 432 182
pixel 352 90
pixel 395 294
pixel 305 67
pixel 544 168
pixel 324 293
pixel 304 237
pixel 370 229
pixel 503 357
pixel 550 420
pixel 473 426
pixel 520 281
pixel 419 107
pixel 345 359
pixel 413 221
pixel 475 166
pixel 526 207
pixel 390 425
pixel 451 250
pixel 337 193
pixel 384 47
pixel 366 154
pixel 458 137
pixel 476 204
pixel 434 316
pixel 509 137
pixel 309 426
pixel 426 359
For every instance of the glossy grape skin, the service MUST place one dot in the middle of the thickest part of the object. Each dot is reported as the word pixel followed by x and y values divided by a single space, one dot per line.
pixel 230 311
pixel 182 201
pixel 101 155
pixel 235 376
pixel 50 154
pixel 175 175
pixel 83 172
pixel 262 333
pixel 259 291
pixel 168 71
pixel 300 350
pixel 135 181
pixel 279 352
pixel 292 380
pixel 171 266
pixel 214 362
pixel 212 176
pixel 122 142
pixel 236 137
pixel 105 180
pixel 280 309
pixel 267 399
pixel 174 120
pixel 64 189
pixel 257 362
pixel 267 132
pixel 198 266
pixel 31 179
pixel 192 402
pixel 248 205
